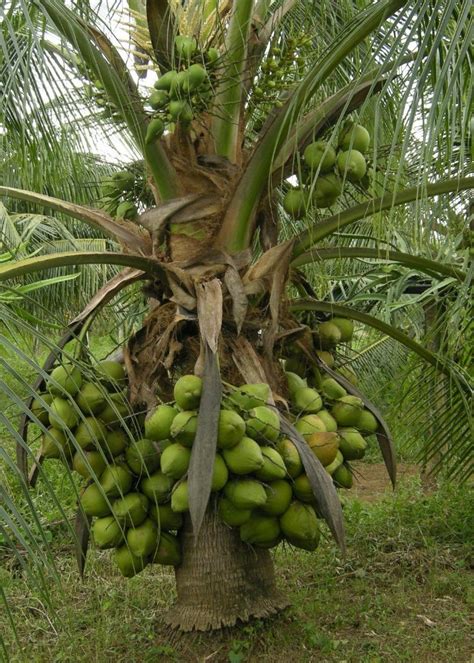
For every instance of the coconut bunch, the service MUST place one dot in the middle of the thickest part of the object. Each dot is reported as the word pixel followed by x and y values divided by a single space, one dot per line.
pixel 93 429
pixel 252 487
pixel 119 195
pixel 182 93
pixel 327 169
pixel 334 423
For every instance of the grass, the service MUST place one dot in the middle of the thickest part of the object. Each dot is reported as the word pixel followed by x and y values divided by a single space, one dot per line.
pixel 403 593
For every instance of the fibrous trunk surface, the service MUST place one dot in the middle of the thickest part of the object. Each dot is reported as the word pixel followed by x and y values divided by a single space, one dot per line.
pixel 221 580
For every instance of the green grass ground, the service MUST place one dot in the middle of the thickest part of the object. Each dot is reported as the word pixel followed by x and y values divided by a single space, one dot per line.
pixel 403 593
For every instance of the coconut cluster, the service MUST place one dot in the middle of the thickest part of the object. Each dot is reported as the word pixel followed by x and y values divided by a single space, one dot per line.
pixel 182 93
pixel 326 169
pixel 335 424
pixel 119 195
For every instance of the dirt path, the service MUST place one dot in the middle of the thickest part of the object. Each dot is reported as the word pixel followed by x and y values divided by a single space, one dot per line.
pixel 372 481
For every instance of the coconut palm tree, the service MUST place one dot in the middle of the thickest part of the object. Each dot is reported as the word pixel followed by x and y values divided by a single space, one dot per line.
pixel 224 211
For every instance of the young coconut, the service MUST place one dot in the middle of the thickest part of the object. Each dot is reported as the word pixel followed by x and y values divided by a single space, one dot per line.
pixel 220 474
pixel 231 515
pixel 345 326
pixel 279 496
pixel 300 526
pixel 91 433
pixel 143 539
pixel 179 497
pixel 142 457
pixel 342 476
pixel 168 551
pixel 128 563
pixel 164 516
pixel 62 414
pixel 352 165
pixel 332 467
pixel 309 424
pixel 184 427
pixel 245 457
pixel 158 422
pixel 94 502
pixel 157 487
pixel 328 420
pixel 131 510
pixel 332 390
pixel 187 392
pixel 320 155
pixel 263 424
pixel 245 493
pixel 175 460
pixel 346 410
pixel 260 531
pixel 39 410
pixel 91 398
pixel 352 444
pixel 55 444
pixel 115 442
pixel 116 480
pixel 291 457
pixel 354 136
pixel 64 379
pixel 231 429
pixel 249 396
pixel 89 464
pixel 107 533
pixel 367 422
pixel 327 190
pixel 273 465
pixel 329 335
pixel 307 400
pixel 324 446
pixel 302 489
pixel 295 203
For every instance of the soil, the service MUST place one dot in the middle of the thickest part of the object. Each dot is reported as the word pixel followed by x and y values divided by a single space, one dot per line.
pixel 372 481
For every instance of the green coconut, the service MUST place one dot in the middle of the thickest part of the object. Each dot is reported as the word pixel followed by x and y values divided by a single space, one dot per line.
pixel 196 75
pixel 332 467
pixel 142 540
pixel 175 460
pixel 291 457
pixel 91 398
pixel 332 390
pixel 307 400
pixel 164 516
pixel 231 429
pixel 167 82
pixel 260 530
pixel 354 136
pixel 116 480
pixel 55 444
pixel 155 129
pixel 180 110
pixel 263 424
pixel 273 465
pixel 131 510
pixel 94 503
pixel 329 335
pixel 126 210
pixel 327 357
pixel 302 488
pixel 367 422
pixel 324 446
pixel 115 442
pixel 187 392
pixel 128 563
pixel 90 433
pixel 352 165
pixel 107 532
pixel 212 55
pixel 115 411
pixel 220 474
pixel 346 410
pixel 179 497
pixel 249 396
pixel 342 477
pixel 295 202
pixel 279 496
pixel 244 457
pixel 245 493
pixel 309 424
pixel 184 427
pixel 111 373
pixel 295 382
pixel 300 526
pixel 158 99
pixel 185 47
pixel 142 457
pixel 328 420
pixel 168 551
pixel 231 515
pixel 65 379
pixel 62 414
pixel 157 487
pixel 39 410
pixel 327 190
pixel 158 423
pixel 89 464
pixel 320 155
pixel 352 444
pixel 345 326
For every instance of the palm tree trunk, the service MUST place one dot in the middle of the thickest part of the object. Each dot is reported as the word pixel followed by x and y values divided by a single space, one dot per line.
pixel 222 580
